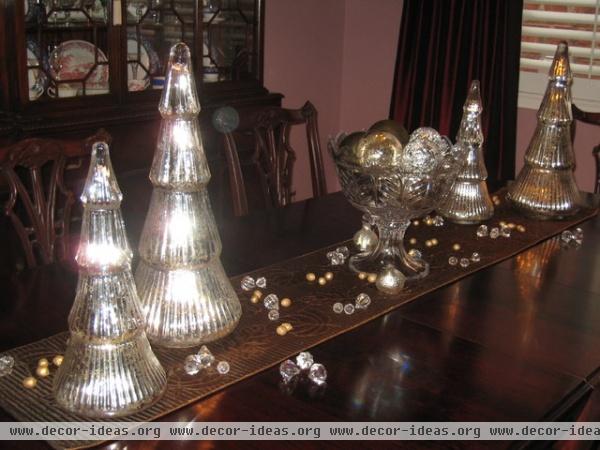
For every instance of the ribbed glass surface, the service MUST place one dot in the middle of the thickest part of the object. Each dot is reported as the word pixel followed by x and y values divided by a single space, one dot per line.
pixel 109 369
pixel 185 295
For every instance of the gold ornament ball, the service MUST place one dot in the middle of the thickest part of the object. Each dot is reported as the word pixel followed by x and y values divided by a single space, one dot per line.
pixel 311 276
pixel 286 302
pixel 379 150
pixel 322 281
pixel 43 362
pixel 58 360
pixel 347 150
pixel 42 371
pixel 29 382
pixel 362 275
pixel 392 127
pixel 328 276
pixel 372 277
pixel 456 247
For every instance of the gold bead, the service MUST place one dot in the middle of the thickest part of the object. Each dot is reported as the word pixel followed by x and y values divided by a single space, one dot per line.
pixel 416 223
pixel 434 241
pixel 362 275
pixel 43 362
pixel 58 360
pixel 257 293
pixel 285 302
pixel 311 276
pixel 372 277
pixel 412 241
pixel 42 371
pixel 521 228
pixel 456 247
pixel 29 382
pixel 288 326
pixel 254 299
pixel 281 330
pixel 328 276
pixel 428 243
pixel 322 281
pixel 429 222
pixel 511 225
pixel 502 224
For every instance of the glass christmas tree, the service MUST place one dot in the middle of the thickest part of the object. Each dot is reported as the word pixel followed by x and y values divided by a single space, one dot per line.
pixel 468 201
pixel 109 369
pixel 545 188
pixel 185 294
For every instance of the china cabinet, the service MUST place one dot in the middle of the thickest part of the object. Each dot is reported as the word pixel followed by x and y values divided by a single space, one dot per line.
pixel 69 67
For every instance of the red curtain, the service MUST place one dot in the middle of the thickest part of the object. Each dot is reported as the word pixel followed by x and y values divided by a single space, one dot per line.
pixel 444 45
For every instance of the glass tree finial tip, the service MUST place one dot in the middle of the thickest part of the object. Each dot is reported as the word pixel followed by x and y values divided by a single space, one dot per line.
pixel 560 68
pixel 473 101
pixel 179 97
pixel 101 187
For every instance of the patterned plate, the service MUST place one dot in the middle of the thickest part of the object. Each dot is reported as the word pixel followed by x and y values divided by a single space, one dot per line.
pixel 37 79
pixel 72 60
pixel 137 78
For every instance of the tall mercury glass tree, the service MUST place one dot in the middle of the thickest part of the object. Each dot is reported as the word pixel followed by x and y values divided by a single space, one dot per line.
pixel 186 296
pixel 546 188
pixel 109 369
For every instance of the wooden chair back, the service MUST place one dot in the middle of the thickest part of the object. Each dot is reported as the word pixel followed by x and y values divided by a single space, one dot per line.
pixel 592 118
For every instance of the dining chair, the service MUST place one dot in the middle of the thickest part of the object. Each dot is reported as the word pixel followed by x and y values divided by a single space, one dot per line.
pixel 39 205
pixel 259 152
pixel 592 118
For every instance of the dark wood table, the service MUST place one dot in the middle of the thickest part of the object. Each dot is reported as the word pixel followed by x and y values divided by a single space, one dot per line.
pixel 518 341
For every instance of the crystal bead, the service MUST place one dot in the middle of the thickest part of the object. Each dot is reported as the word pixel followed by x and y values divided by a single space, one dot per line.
pixel 273 314
pixel 247 283
pixel 567 236
pixel 6 365
pixel 223 367
pixel 261 282
pixel 362 301
pixel 304 360
pixel 578 234
pixel 415 253
pixel 438 221
pixel 505 232
pixel 288 370
pixel 482 231
pixel 338 308
pixel 335 258
pixel 191 365
pixel 349 308
pixel 464 262
pixel 343 251
pixel 317 374
pixel 475 257
pixel 453 260
pixel 494 233
pixel 271 301
pixel 205 357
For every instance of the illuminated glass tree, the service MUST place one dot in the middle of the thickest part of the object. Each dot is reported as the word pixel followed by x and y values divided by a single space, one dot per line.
pixel 186 296
pixel 109 369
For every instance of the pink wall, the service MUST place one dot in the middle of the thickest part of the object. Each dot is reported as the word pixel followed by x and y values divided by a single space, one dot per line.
pixel 338 54
pixel 586 138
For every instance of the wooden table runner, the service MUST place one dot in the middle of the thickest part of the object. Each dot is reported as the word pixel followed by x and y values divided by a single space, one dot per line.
pixel 254 346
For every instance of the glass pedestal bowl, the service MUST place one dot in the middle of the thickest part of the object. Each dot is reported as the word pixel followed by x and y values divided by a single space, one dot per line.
pixel 394 183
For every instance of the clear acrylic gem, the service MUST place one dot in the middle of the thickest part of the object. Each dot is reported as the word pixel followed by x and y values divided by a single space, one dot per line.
pixel 453 260
pixel 338 308
pixel 273 314
pixel 464 262
pixel 317 374
pixel 438 221
pixel 335 258
pixel 223 367
pixel 247 283
pixel 271 301
pixel 567 236
pixel 505 232
pixel 349 308
pixel 343 251
pixel 475 257
pixel 304 360
pixel 261 282
pixel 288 370
pixel 578 234
pixel 205 357
pixel 482 231
pixel 362 301
pixel 191 365
pixel 415 253
pixel 6 365
pixel 494 233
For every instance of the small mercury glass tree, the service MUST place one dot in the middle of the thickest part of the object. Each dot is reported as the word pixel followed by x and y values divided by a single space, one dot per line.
pixel 469 201
pixel 546 188
pixel 109 368
pixel 186 296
